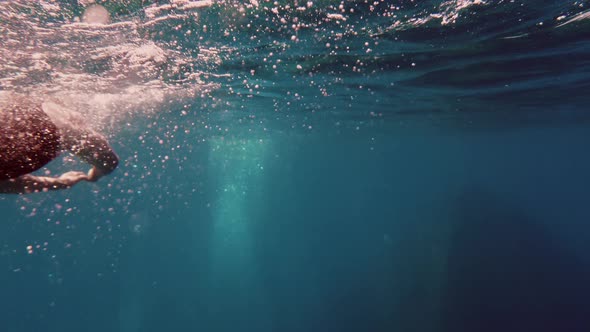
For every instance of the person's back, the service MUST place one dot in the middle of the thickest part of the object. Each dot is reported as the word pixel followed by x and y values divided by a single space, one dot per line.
pixel 30 138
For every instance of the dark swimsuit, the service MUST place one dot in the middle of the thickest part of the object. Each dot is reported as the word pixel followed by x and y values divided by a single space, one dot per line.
pixel 28 140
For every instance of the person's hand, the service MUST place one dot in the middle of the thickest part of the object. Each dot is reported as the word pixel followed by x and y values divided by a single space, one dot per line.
pixel 94 174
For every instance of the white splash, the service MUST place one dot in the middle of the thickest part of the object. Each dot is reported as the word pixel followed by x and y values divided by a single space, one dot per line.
pixel 105 71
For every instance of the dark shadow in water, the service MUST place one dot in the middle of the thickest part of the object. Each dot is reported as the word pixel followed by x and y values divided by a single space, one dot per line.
pixel 506 272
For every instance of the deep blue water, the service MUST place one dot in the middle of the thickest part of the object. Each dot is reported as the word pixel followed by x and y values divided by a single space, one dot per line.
pixel 437 182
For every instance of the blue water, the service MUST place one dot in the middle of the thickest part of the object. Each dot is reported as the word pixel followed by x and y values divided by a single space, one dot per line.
pixel 437 182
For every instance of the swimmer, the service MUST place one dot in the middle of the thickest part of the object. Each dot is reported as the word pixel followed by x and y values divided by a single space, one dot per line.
pixel 30 138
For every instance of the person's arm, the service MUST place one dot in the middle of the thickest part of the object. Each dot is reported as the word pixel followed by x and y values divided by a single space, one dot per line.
pixel 88 146
pixel 93 149
pixel 78 138
pixel 27 184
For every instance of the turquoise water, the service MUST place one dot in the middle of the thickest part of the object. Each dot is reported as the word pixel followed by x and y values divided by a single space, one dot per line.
pixel 410 167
